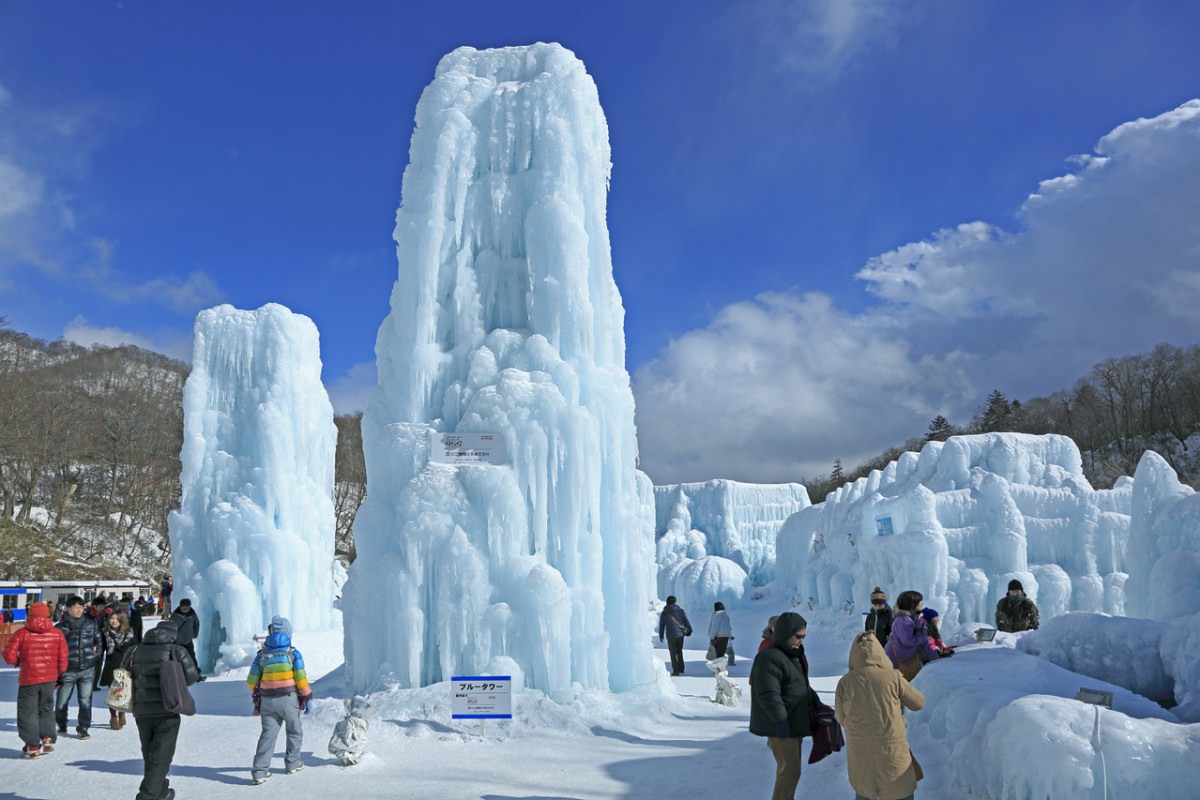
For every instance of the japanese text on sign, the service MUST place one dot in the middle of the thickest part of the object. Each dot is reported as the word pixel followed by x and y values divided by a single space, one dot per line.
pixel 467 448
pixel 481 697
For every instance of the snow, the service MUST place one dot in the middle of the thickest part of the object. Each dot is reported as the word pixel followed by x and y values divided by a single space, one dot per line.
pixel 960 520
pixel 253 536
pixel 504 320
pixel 735 521
pixel 998 723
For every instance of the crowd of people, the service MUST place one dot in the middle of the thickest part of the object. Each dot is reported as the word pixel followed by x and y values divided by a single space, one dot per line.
pixel 80 652
pixel 895 644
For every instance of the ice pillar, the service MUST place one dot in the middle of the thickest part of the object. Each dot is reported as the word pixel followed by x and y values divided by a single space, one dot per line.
pixel 253 536
pixel 505 321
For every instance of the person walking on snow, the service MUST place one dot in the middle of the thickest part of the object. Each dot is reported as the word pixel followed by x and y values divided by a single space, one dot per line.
pixel 39 651
pixel 83 653
pixel 870 704
pixel 158 728
pixel 118 638
pixel 281 693
pixel 720 629
pixel 673 623
pixel 783 707
pixel 189 628
pixel 1015 612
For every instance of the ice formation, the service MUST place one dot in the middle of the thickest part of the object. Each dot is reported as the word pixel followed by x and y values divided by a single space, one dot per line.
pixel 723 518
pixel 1164 543
pixel 1010 727
pixel 253 536
pixel 504 320
pixel 957 522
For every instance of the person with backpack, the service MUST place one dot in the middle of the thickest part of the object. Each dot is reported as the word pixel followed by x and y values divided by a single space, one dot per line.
pixel 673 623
pixel 39 651
pixel 281 694
pixel 158 728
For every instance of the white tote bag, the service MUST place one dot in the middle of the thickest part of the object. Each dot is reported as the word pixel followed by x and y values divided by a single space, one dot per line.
pixel 120 693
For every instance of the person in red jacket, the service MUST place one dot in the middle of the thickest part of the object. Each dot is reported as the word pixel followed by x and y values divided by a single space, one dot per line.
pixel 40 651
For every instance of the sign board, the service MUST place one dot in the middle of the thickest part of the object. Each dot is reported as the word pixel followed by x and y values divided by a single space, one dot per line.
pixel 458 449
pixel 481 697
pixel 985 634
pixel 883 526
pixel 1095 697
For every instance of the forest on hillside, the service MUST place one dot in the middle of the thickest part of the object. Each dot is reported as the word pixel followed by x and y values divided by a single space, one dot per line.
pixel 90 440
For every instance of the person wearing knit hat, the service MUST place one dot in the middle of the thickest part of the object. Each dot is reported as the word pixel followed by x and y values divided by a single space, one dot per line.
pixel 39 650
pixel 879 618
pixel 1015 612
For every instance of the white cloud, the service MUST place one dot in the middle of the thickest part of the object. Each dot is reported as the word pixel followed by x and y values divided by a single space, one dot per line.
pixel 81 332
pixel 1105 264
pixel 19 191
pixel 44 154
pixel 821 38
pixel 350 392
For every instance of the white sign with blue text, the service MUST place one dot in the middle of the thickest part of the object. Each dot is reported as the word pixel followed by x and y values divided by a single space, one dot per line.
pixel 481 697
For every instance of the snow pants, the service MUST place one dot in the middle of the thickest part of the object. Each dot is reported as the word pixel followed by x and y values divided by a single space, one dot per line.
pixel 158 735
pixel 275 712
pixel 82 683
pixel 35 713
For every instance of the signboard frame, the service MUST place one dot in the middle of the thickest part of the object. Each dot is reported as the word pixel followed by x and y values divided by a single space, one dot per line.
pixel 481 697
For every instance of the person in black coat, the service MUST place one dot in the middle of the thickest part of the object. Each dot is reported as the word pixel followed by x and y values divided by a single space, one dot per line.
pixel 84 649
pixel 879 619
pixel 188 623
pixel 674 625
pixel 158 728
pixel 782 705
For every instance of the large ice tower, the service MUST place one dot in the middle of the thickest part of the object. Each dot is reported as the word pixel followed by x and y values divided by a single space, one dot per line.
pixel 504 320
pixel 253 536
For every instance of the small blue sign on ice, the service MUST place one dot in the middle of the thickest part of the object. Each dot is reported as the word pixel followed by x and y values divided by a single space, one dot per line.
pixel 883 526
pixel 481 697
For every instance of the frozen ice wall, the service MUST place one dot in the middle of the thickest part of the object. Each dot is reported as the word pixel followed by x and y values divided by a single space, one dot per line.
pixel 958 521
pixel 505 320
pixel 734 521
pixel 253 536
pixel 1164 543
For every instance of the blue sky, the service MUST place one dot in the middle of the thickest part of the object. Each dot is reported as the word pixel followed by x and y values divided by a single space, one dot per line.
pixel 841 204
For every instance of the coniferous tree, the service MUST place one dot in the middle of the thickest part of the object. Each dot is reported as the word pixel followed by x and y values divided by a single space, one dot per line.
pixel 940 429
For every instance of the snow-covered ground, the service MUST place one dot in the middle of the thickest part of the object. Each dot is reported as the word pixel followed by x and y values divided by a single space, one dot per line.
pixel 668 740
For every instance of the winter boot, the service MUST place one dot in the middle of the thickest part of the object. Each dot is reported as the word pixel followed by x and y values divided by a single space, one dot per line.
pixel 121 718
pixel 112 720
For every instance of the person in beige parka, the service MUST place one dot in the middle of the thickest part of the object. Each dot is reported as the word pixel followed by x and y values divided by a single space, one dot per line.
pixel 870 704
